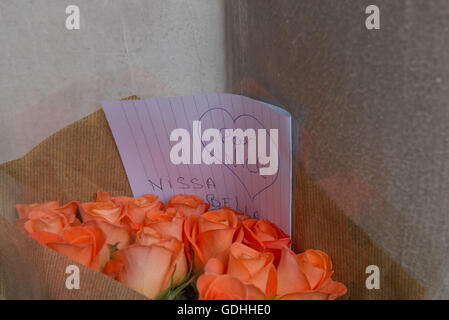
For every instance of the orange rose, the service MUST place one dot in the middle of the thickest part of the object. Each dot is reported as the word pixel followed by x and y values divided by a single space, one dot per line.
pixel 120 210
pixel 307 276
pixel 253 269
pixel 211 234
pixel 158 214
pixel 136 209
pixel 25 209
pixel 116 238
pixel 81 243
pixel 188 204
pixel 167 223
pixel 149 236
pixel 263 236
pixel 108 211
pixel 241 216
pixel 146 269
pixel 47 216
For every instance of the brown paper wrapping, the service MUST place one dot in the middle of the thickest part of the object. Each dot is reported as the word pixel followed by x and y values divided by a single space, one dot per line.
pixel 82 158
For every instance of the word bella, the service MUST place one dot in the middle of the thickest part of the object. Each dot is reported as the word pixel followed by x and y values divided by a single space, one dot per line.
pixel 207 147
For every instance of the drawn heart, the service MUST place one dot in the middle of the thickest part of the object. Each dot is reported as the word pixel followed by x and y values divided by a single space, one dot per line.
pixel 242 175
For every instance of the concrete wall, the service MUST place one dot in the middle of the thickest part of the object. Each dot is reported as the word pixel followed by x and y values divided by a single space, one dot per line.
pixel 51 77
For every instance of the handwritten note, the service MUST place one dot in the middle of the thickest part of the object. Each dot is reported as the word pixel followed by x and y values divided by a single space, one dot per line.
pixel 142 129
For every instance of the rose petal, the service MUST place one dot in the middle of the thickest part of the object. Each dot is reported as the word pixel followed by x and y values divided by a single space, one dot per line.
pixel 24 209
pixel 80 253
pixel 114 234
pixel 290 276
pixel 107 211
pixel 334 289
pixel 46 237
pixel 46 220
pixel 213 243
pixel 214 265
pixel 103 196
pixel 113 268
pixel 305 295
pixel 188 204
pixel 225 287
pixel 203 282
pixel 69 210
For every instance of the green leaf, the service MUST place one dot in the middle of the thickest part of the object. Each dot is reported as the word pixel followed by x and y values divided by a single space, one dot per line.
pixel 271 296
pixel 178 290
pixel 112 248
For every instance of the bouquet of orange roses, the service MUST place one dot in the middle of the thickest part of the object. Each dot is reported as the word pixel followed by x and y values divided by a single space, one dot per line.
pixel 181 250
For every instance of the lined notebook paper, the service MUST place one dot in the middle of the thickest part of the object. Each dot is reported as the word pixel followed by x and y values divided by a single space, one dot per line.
pixel 142 129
